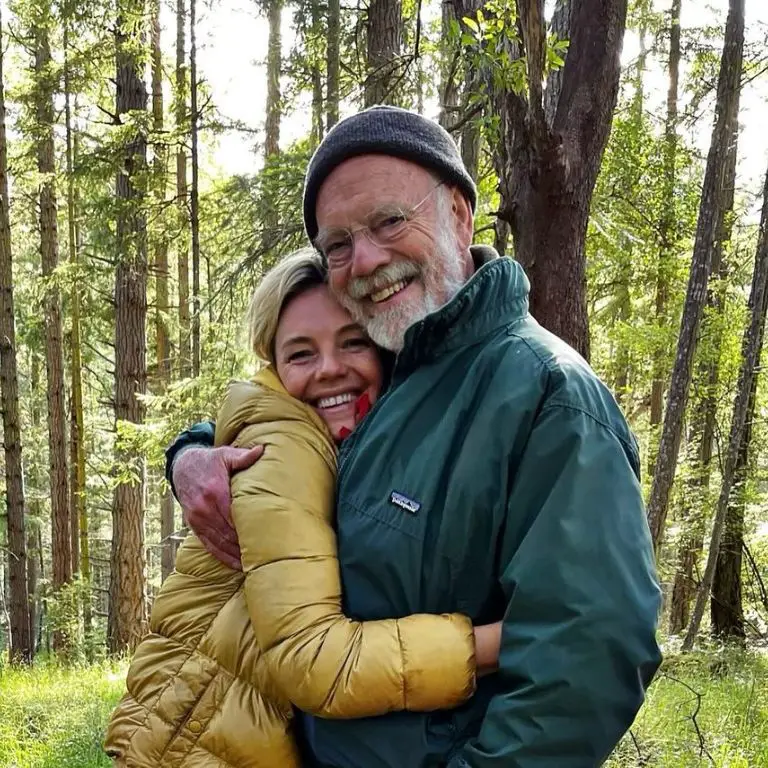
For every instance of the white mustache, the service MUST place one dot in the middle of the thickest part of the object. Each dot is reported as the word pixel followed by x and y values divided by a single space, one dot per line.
pixel 360 287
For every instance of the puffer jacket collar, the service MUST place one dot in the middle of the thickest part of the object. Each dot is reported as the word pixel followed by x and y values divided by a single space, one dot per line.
pixel 263 399
pixel 496 295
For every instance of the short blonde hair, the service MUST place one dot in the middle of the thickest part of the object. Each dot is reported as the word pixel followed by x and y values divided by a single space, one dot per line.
pixel 291 276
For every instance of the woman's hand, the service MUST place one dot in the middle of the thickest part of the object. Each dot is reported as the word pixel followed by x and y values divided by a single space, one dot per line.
pixel 487 646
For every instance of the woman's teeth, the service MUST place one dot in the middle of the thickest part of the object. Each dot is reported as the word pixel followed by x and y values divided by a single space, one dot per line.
pixel 390 290
pixel 330 402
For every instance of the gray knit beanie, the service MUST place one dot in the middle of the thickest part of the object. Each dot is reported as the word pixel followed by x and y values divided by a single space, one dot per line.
pixel 385 130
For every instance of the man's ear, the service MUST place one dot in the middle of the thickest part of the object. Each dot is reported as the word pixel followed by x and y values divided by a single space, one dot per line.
pixel 463 219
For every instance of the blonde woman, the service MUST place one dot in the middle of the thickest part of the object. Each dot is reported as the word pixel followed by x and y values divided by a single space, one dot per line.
pixel 231 653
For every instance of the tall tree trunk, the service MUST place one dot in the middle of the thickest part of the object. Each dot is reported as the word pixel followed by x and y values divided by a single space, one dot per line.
pixel 182 201
pixel 450 60
pixel 750 353
pixel 194 191
pixel 470 133
pixel 623 314
pixel 32 580
pixel 727 610
pixel 385 40
pixel 54 352
pixel 451 112
pixel 667 222
pixel 77 512
pixel 274 68
pixel 696 503
pixel 333 63
pixel 21 649
pixel 126 614
pixel 318 129
pixel 550 156
pixel 711 213
pixel 272 110
pixel 74 521
pixel 726 607
pixel 160 253
pixel 37 482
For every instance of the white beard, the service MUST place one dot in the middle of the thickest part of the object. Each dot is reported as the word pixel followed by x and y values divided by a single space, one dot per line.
pixel 441 277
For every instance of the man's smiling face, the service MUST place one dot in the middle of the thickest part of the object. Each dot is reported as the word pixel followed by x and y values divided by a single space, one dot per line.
pixel 388 287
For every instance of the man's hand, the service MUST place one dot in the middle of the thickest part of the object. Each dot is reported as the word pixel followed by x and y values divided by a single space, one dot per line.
pixel 201 477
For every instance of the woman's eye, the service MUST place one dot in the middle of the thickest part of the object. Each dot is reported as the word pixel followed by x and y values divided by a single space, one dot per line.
pixel 357 343
pixel 299 355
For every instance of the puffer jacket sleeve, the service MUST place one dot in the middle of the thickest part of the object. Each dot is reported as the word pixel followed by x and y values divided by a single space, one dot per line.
pixel 325 663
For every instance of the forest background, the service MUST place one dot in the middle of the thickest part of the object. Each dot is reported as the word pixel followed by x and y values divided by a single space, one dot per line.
pixel 151 163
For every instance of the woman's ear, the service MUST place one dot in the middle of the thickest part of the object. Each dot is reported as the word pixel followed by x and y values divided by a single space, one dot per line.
pixel 463 219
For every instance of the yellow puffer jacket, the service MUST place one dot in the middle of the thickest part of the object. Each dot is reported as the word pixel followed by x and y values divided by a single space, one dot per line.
pixel 230 652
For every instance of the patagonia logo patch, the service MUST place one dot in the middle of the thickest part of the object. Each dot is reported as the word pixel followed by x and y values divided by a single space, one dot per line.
pixel 409 505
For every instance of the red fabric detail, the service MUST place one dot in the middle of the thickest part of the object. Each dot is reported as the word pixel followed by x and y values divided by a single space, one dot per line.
pixel 362 406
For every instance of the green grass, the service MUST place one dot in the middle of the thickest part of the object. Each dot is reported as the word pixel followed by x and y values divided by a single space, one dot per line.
pixel 54 717
pixel 702 710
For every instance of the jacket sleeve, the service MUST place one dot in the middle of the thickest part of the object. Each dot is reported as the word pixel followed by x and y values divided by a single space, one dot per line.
pixel 200 435
pixel 578 640
pixel 322 661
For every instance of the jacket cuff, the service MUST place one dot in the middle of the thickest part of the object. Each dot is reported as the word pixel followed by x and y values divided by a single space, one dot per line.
pixel 439 665
pixel 199 435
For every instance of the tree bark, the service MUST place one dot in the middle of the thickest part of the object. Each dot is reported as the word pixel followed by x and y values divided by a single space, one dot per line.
pixel 450 62
pixel 667 221
pixel 696 498
pixel 711 213
pixel 160 251
pixel 182 253
pixel 274 69
pixel 727 610
pixel 549 170
pixel 31 589
pixel 696 502
pixel 77 509
pixel 333 63
pixel 750 352
pixel 726 607
pixel 194 192
pixel 126 605
pixel 318 128
pixel 54 351
pixel 272 109
pixel 21 646
pixel 384 43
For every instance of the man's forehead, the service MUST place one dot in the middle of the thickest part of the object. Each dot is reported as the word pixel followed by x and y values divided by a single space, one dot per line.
pixel 362 169
pixel 371 180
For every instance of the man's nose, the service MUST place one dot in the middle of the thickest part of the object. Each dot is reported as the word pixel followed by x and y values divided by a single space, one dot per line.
pixel 368 256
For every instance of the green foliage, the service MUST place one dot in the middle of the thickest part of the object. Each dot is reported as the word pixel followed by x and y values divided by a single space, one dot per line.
pixel 703 709
pixel 54 717
pixel 712 703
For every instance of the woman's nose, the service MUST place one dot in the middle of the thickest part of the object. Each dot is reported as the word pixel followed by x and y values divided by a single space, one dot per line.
pixel 331 365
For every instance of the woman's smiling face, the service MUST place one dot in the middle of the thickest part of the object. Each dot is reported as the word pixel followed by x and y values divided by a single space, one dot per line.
pixel 325 359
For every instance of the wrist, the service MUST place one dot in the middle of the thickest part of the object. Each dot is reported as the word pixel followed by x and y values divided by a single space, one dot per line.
pixel 487 642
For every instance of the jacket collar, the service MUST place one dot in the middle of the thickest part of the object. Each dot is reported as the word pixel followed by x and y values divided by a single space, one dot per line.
pixel 496 295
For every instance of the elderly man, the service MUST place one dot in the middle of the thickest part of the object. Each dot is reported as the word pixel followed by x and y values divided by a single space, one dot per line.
pixel 496 477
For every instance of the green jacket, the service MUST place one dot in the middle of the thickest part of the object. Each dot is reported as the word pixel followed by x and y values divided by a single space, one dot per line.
pixel 496 477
